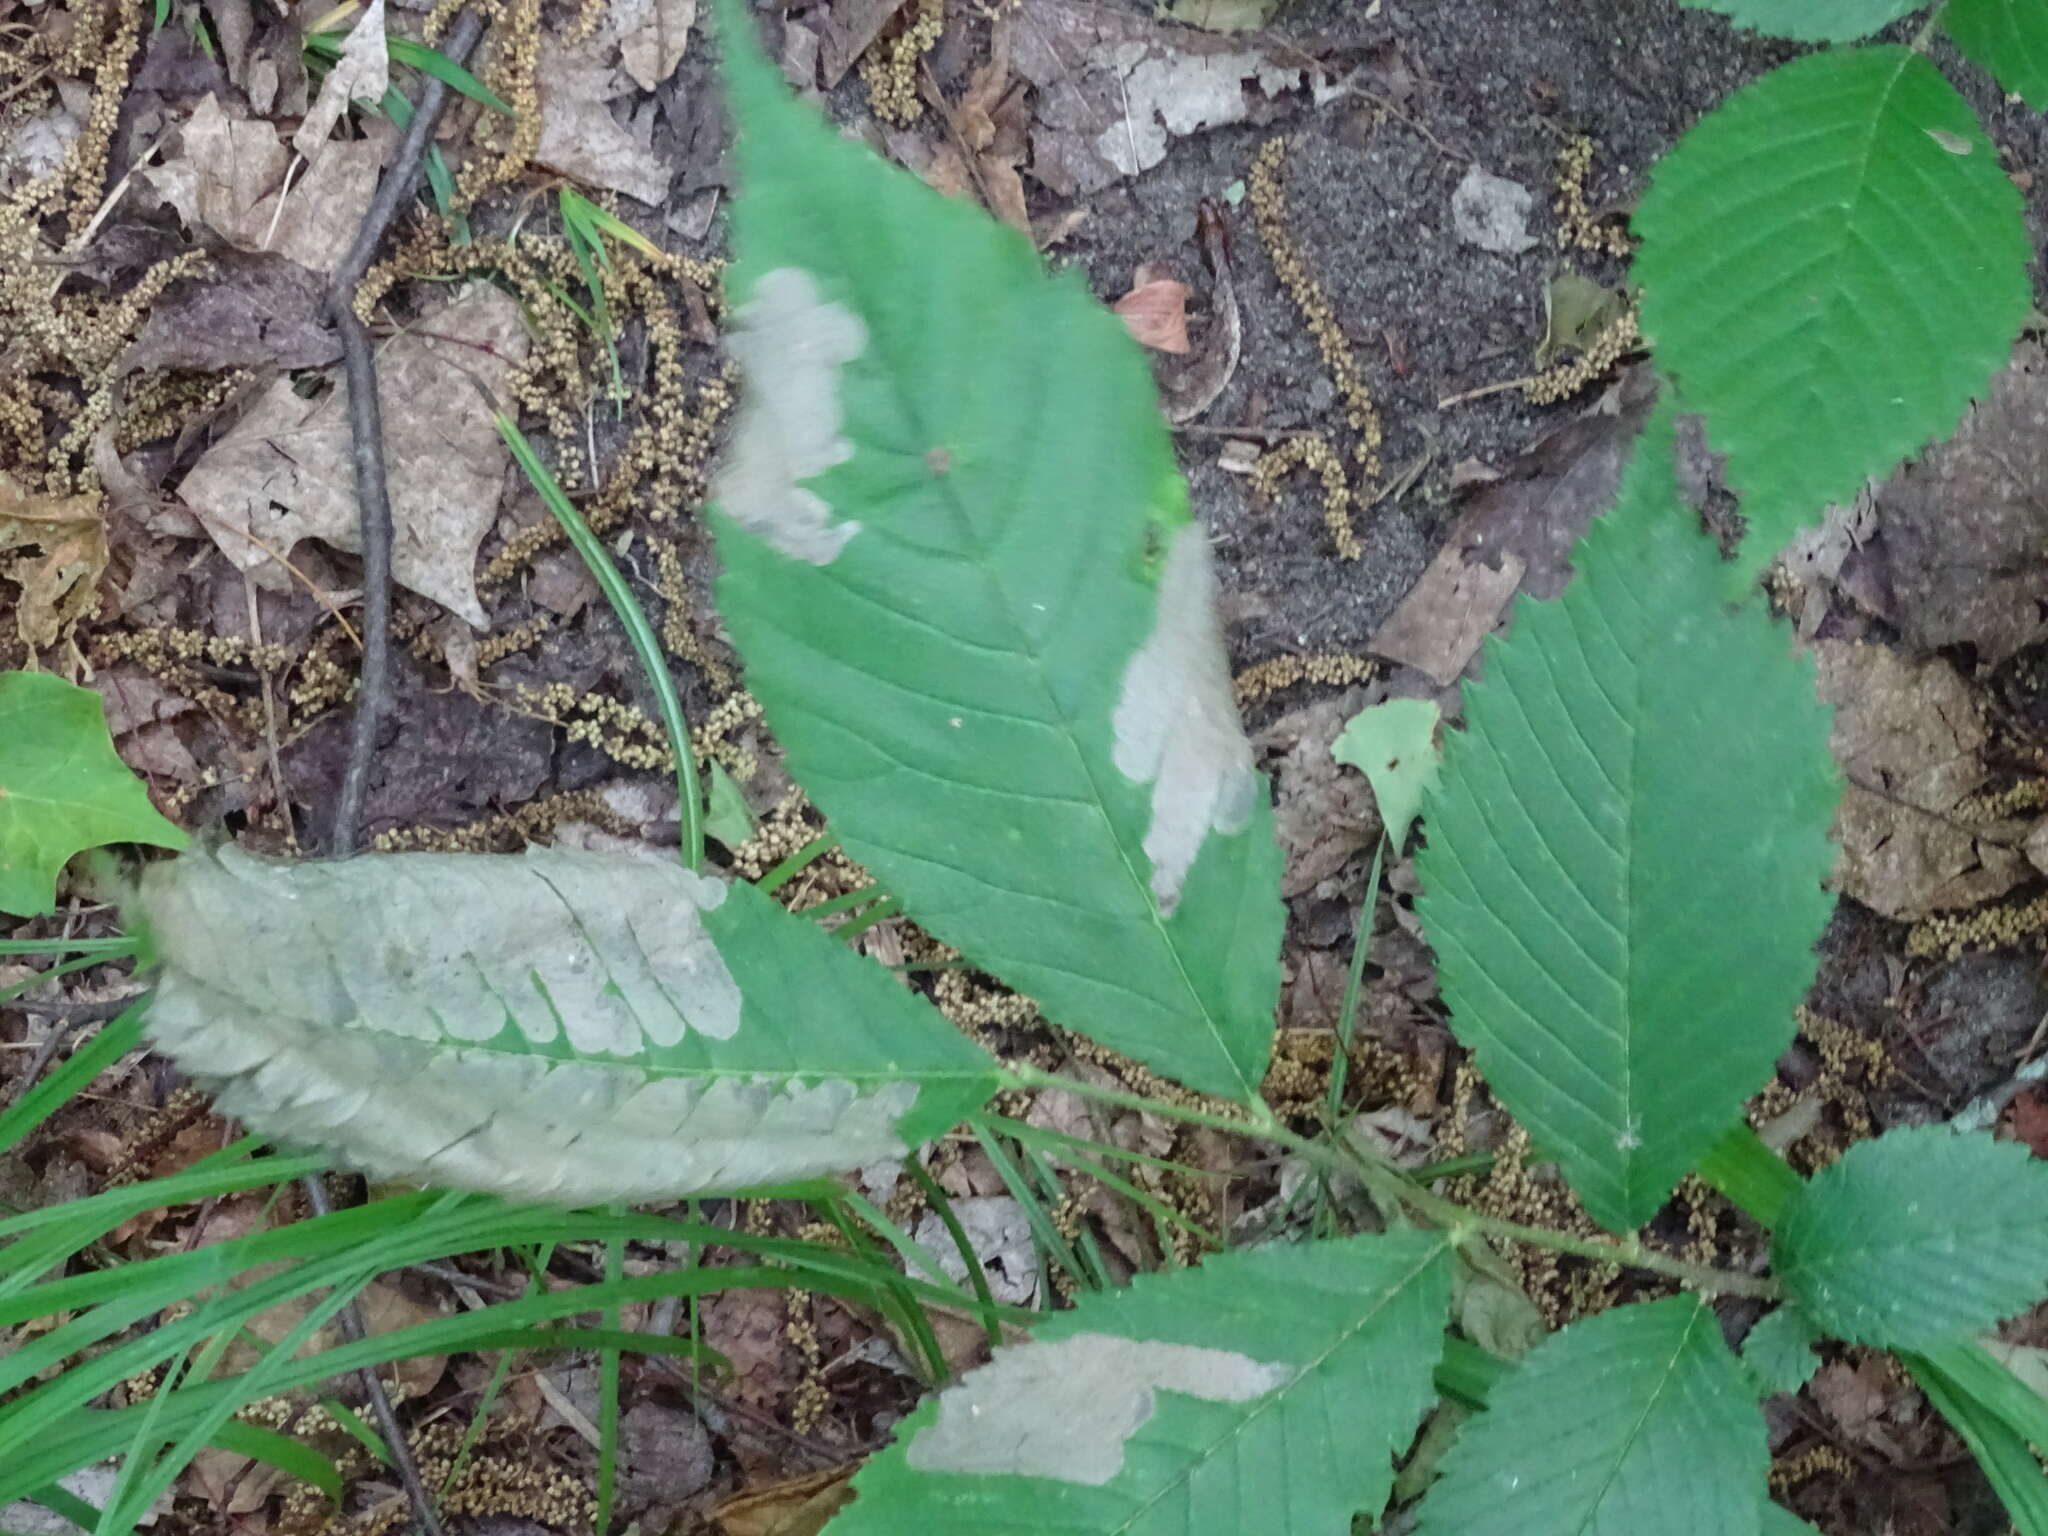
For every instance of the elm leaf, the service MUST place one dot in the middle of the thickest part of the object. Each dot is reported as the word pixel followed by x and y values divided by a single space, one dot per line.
pixel 1635 1420
pixel 1267 1390
pixel 560 1025
pixel 1833 264
pixel 1623 875
pixel 1919 1238
pixel 961 569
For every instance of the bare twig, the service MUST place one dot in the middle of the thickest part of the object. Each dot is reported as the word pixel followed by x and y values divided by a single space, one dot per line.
pixel 351 1320
pixel 366 428
pixel 373 700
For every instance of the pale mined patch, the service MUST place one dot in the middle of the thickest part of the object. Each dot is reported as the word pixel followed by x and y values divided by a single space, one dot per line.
pixel 1176 722
pixel 609 955
pixel 790 343
pixel 384 1007
pixel 1064 1410
pixel 570 1133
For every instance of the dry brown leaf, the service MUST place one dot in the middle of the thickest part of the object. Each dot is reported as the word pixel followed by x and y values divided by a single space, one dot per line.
pixel 798 1507
pixel 1515 535
pixel 284 472
pixel 1114 87
pixel 580 139
pixel 654 35
pixel 362 73
pixel 2027 1120
pixel 1976 579
pixel 229 175
pixel 1156 313
pixel 1910 741
pixel 55 549
pixel 245 311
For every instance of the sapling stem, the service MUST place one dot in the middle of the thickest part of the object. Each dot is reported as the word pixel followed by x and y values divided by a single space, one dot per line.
pixel 1385 1179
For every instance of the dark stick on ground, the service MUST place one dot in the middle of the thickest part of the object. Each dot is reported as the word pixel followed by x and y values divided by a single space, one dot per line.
pixel 373 696
pixel 366 428
pixel 351 1319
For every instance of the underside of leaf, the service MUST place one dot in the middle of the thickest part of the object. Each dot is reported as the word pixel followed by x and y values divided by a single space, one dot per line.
pixel 1622 879
pixel 560 1026
pixel 960 568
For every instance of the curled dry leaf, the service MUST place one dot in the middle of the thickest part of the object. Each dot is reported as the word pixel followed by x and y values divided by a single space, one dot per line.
pixel 1910 741
pixel 230 175
pixel 1156 313
pixel 284 472
pixel 54 548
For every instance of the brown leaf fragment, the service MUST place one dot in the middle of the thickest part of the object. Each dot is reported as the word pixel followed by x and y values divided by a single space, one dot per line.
pixel 244 311
pixel 1910 741
pixel 654 36
pixel 362 73
pixel 229 175
pixel 579 137
pixel 1156 314
pixel 1516 534
pixel 1115 86
pixel 284 472
pixel 54 548
pixel 799 1506
pixel 1964 528
pixel 851 26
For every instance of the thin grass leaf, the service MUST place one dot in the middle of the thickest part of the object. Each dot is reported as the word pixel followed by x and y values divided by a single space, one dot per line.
pixel 424 59
pixel 647 647
pixel 2008 1461
pixel 60 1087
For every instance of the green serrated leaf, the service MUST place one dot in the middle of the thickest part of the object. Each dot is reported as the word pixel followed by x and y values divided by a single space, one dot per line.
pixel 1636 1420
pixel 1267 1390
pixel 560 1025
pixel 1622 880
pixel 1921 1237
pixel 63 789
pixel 1810 21
pixel 961 570
pixel 1832 265
pixel 1779 1351
pixel 1394 746
pixel 2007 37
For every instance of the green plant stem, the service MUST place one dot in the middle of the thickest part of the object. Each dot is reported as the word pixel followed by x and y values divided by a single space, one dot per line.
pixel 640 633
pixel 1386 1180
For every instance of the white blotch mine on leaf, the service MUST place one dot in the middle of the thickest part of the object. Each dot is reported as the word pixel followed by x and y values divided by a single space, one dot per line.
pixel 1176 723
pixel 790 343
pixel 412 1012
pixel 1064 1410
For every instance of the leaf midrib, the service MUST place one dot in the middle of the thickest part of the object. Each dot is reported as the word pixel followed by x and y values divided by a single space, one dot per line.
pixel 949 492
pixel 1635 1433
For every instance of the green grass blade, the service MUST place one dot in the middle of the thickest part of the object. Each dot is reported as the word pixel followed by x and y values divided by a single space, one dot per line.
pixel 117 1039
